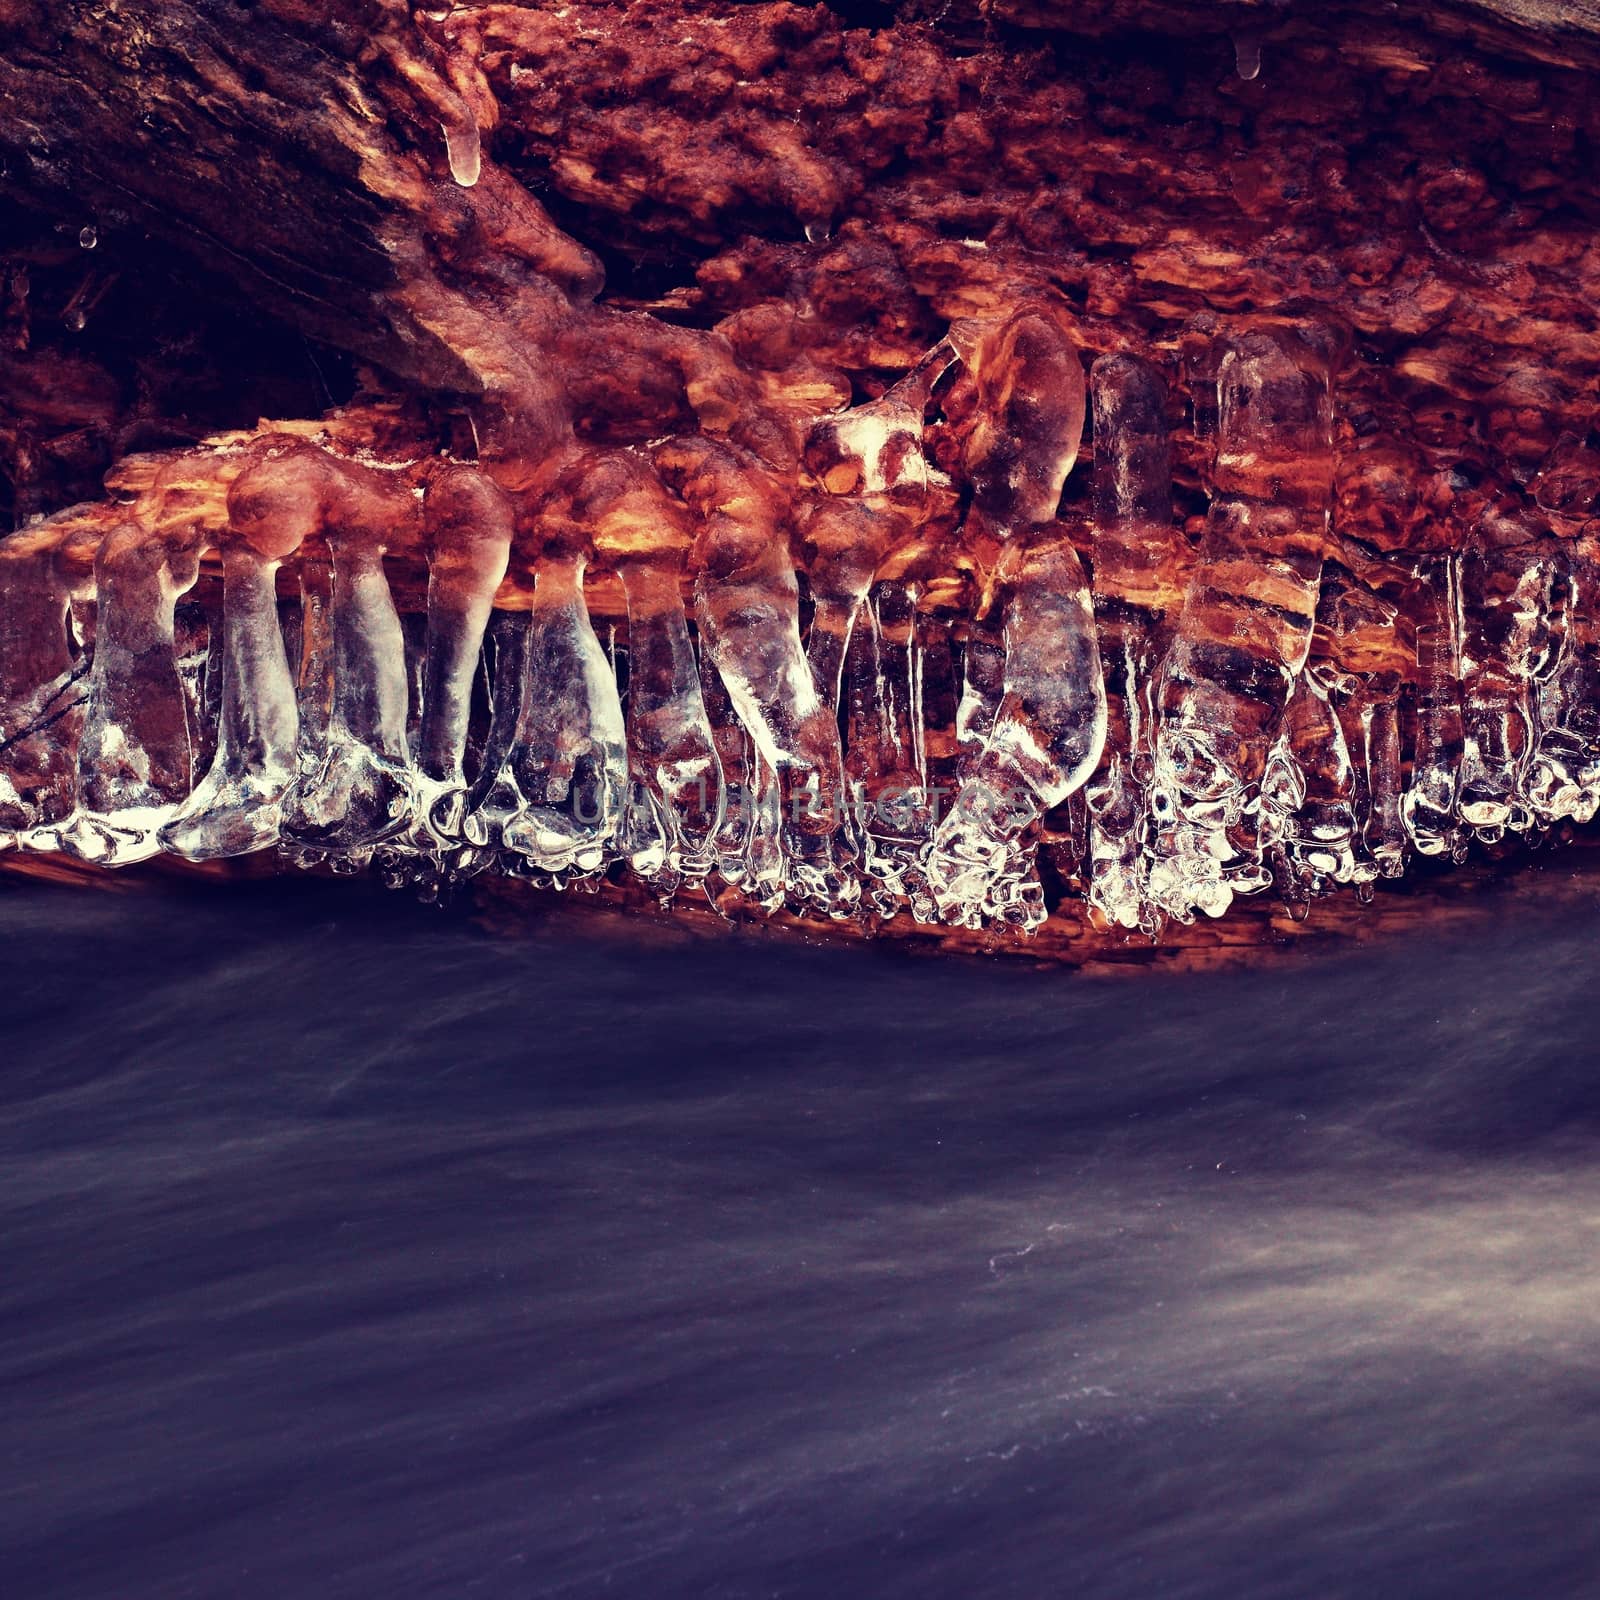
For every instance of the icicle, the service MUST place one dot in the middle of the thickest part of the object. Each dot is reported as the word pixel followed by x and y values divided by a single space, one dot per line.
pixel 1508 643
pixel 570 760
pixel 314 680
pixel 43 690
pixel 1031 403
pixel 134 757
pixel 672 751
pixel 765 878
pixel 1046 738
pixel 736 758
pixel 1308 791
pixel 870 461
pixel 1139 573
pixel 1049 719
pixel 1356 648
pixel 1428 805
pixel 237 807
pixel 839 583
pixel 1246 624
pixel 983 670
pixel 747 609
pixel 1563 778
pixel 1384 833
pixel 495 800
pixel 884 755
pixel 468 525
pixel 198 650
pixel 355 787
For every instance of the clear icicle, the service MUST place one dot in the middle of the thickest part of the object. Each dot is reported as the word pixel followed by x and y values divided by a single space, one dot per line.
pixel 468 526
pixel 237 807
pixel 43 689
pixel 1428 805
pixel 1139 571
pixel 737 760
pixel 570 761
pixel 134 754
pixel 1022 752
pixel 197 649
pixel 983 672
pixel 495 800
pixel 672 752
pixel 1308 792
pixel 870 462
pixel 1031 405
pixel 1384 832
pixel 1246 625
pixel 765 879
pixel 1045 740
pixel 1357 643
pixel 358 789
pixel 884 756
pixel 1508 643
pixel 747 609
pixel 1563 779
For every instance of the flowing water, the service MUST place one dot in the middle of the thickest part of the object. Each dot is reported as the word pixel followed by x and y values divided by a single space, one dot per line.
pixel 351 1252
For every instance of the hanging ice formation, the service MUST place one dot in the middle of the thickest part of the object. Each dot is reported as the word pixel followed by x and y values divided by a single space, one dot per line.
pixel 846 680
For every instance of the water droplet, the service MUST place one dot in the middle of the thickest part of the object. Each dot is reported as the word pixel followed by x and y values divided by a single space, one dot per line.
pixel 88 238
pixel 75 319
pixel 1247 56
pixel 818 233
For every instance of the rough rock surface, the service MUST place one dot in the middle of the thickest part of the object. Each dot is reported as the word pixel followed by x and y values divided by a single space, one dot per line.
pixel 526 235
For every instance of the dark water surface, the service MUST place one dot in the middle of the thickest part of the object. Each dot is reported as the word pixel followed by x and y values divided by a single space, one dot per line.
pixel 350 1252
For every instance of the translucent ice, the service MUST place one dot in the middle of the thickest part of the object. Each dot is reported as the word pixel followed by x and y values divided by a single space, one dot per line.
pixel 134 754
pixel 1384 829
pixel 1032 738
pixel 765 880
pixel 1029 381
pixel 467 525
pixel 237 807
pixel 355 787
pixel 1045 739
pixel 1509 642
pixel 1308 793
pixel 885 761
pixel 1563 777
pixel 42 687
pixel 1139 576
pixel 1358 650
pixel 672 752
pixel 870 462
pixel 495 800
pixel 747 609
pixel 1428 805
pixel 1246 624
pixel 983 672
pixel 569 759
